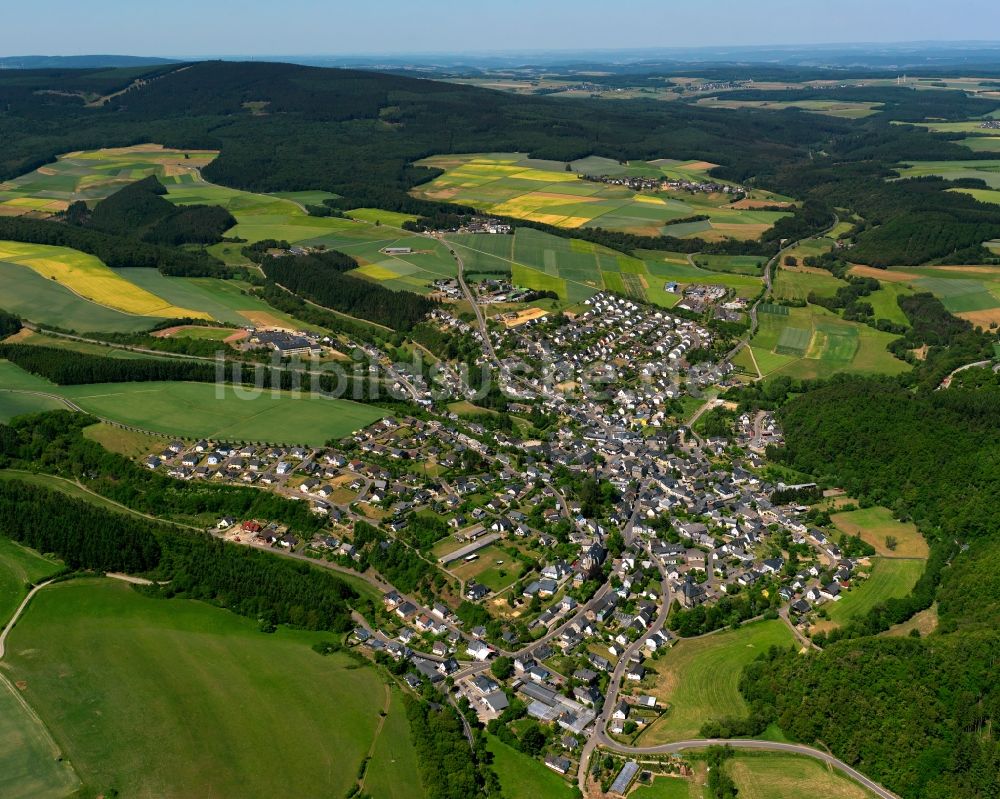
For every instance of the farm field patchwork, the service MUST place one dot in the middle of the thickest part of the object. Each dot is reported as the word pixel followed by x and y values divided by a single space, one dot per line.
pixel 833 108
pixel 814 342
pixel 93 175
pixel 510 184
pixel 223 300
pixel 96 174
pixel 698 678
pixel 151 697
pixel 987 170
pixel 776 775
pixel 572 268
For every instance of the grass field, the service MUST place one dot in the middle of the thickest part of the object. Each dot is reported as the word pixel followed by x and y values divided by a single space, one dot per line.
pixel 510 184
pixel 875 523
pixel 797 284
pixel 813 342
pixel 890 577
pixel 88 277
pixel 19 567
pixel 735 264
pixel 775 775
pixel 204 410
pixel 832 108
pixel 669 788
pixel 30 767
pixel 488 569
pixel 130 443
pixel 196 410
pixel 698 678
pixel 12 405
pixel 987 170
pixel 174 698
pixel 523 777
pixel 393 772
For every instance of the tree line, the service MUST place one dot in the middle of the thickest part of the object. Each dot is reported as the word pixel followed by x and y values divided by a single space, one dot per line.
pixel 320 277
pixel 118 252
pixel 191 565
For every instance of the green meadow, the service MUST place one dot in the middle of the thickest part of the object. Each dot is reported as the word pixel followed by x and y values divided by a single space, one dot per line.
pixel 698 678
pixel 204 410
pixel 777 775
pixel 152 697
pixel 523 777
pixel 987 171
pixel 889 578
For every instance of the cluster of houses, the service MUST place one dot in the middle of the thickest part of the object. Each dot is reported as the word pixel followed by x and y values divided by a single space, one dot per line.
pixel 617 363
pixel 660 183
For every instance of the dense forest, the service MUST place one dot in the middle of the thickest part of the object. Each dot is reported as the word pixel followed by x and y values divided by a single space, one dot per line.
pixel 9 324
pixel 320 277
pixel 247 581
pixel 887 445
pixel 913 713
pixel 139 210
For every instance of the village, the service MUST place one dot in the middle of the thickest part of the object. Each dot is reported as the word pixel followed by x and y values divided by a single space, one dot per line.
pixel 537 598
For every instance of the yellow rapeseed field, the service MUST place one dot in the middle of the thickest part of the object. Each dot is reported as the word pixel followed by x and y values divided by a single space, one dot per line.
pixel 89 278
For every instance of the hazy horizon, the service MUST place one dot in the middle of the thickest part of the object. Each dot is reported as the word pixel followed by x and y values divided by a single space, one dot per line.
pixel 190 29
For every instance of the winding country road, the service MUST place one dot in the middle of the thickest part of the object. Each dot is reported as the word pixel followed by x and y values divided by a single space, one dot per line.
pixel 769 746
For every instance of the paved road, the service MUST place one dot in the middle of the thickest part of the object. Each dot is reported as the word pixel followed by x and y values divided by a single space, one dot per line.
pixel 599 736
pixel 771 746
pixel 947 381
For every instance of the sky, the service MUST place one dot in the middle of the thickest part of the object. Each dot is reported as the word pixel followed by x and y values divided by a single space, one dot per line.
pixel 336 27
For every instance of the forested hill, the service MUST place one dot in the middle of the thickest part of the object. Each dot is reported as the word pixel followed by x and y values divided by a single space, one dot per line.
pixel 287 127
pixel 917 715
